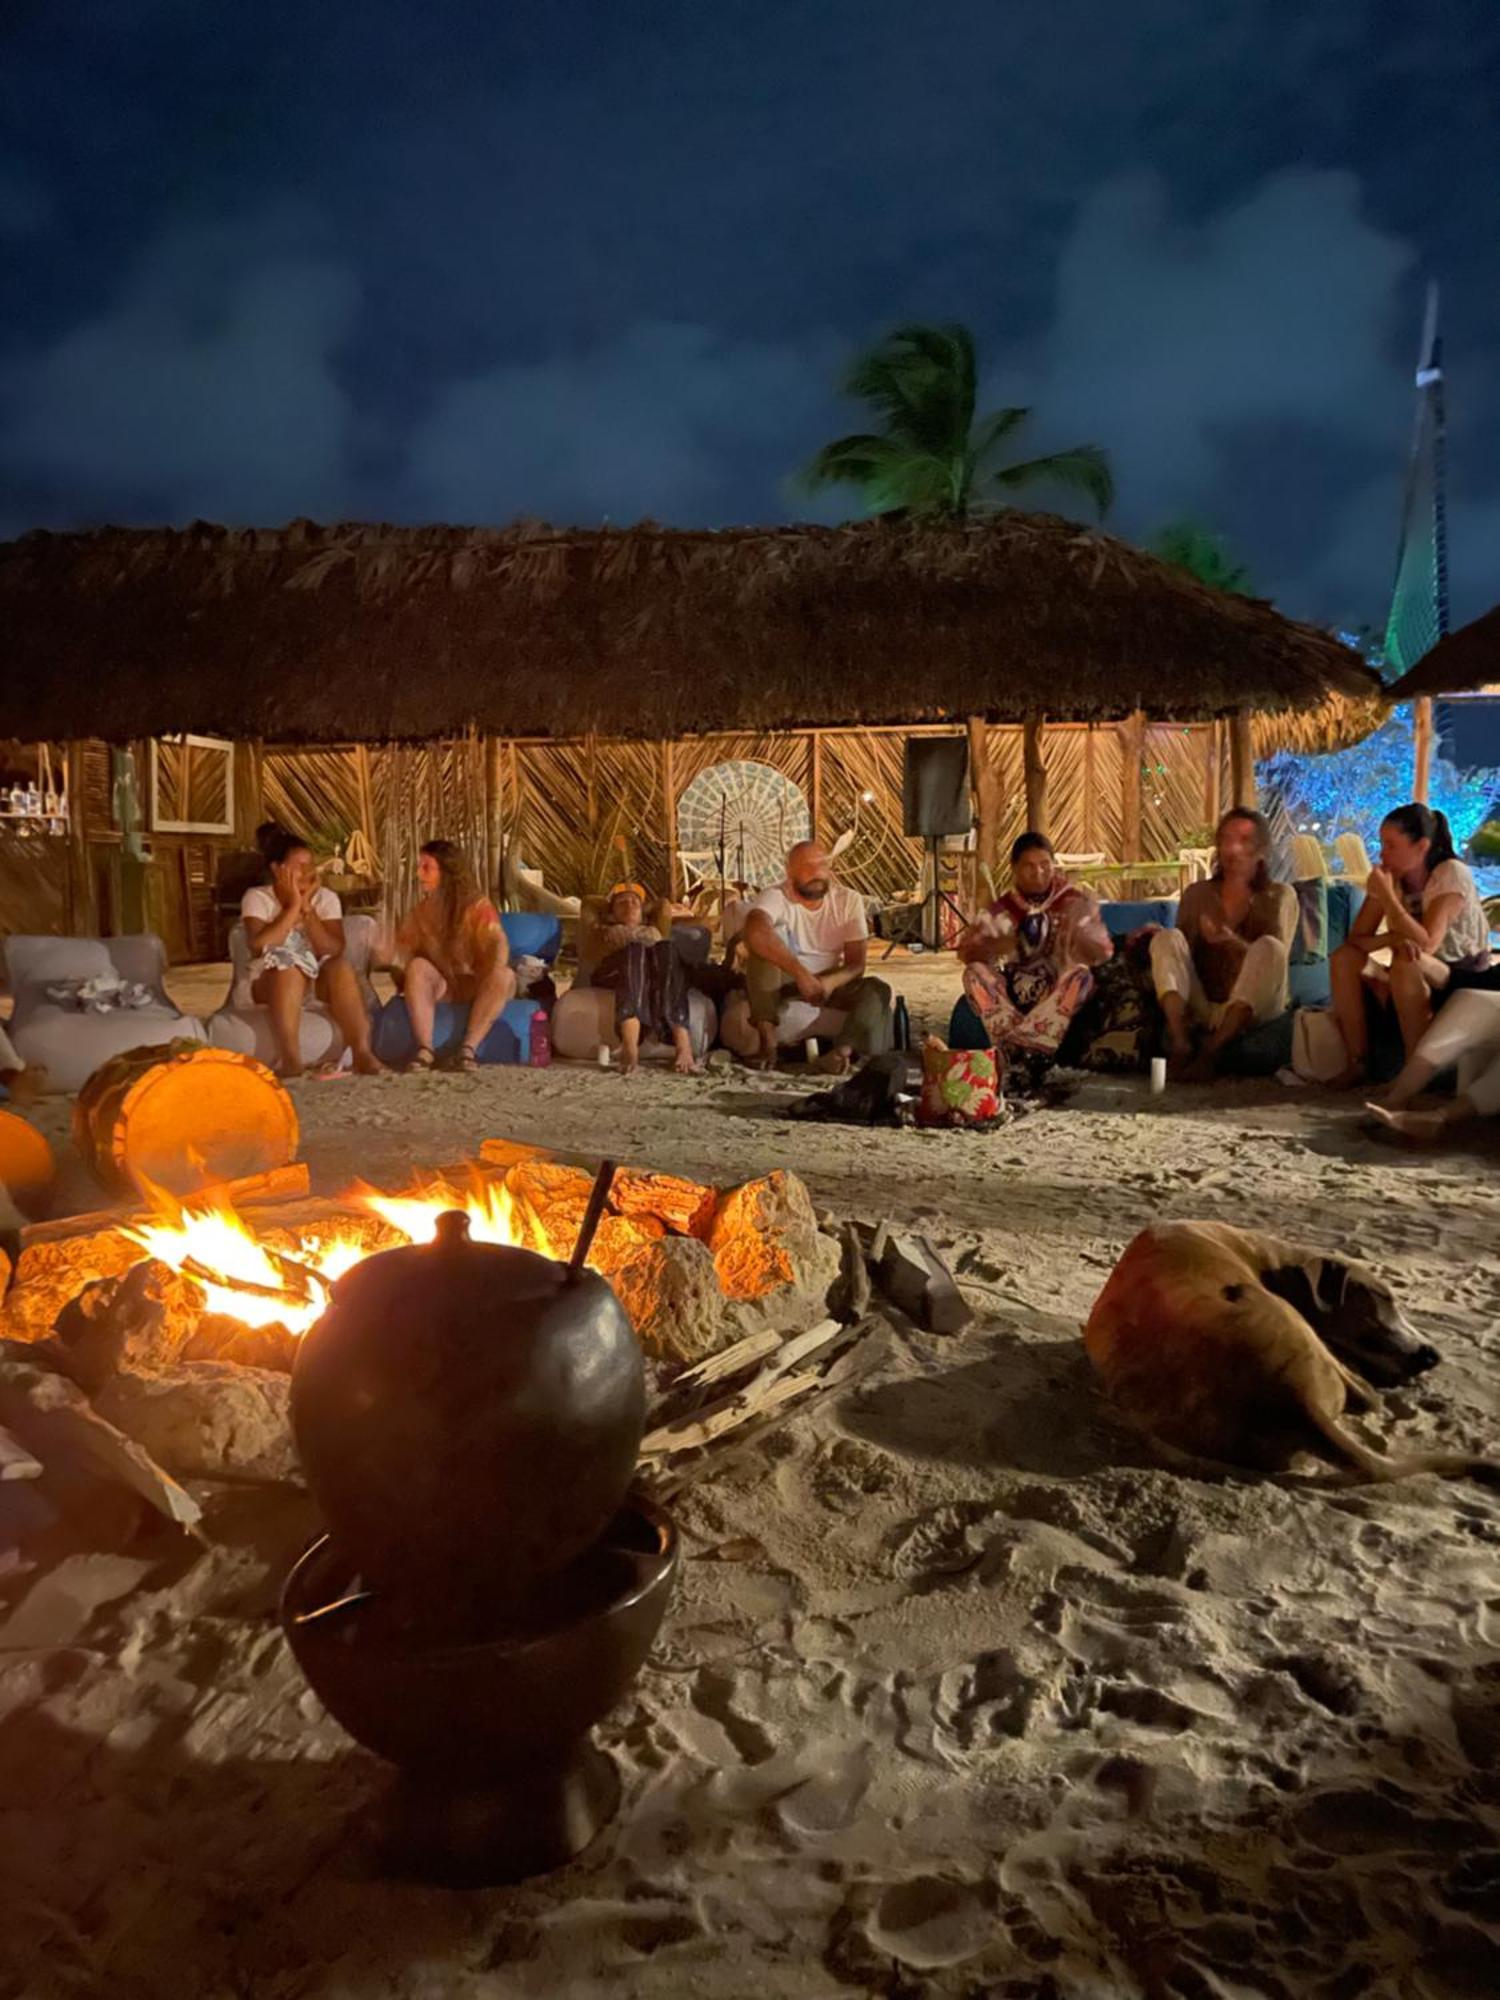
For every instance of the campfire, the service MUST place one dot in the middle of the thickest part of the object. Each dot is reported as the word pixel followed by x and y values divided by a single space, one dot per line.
pixel 237 1276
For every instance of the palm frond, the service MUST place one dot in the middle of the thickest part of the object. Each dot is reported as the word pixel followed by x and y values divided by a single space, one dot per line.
pixel 920 380
pixel 1084 469
pixel 889 475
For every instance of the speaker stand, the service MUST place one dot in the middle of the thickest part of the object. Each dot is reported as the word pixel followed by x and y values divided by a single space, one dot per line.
pixel 938 900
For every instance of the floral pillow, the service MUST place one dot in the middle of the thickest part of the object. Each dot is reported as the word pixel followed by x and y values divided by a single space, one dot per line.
pixel 959 1086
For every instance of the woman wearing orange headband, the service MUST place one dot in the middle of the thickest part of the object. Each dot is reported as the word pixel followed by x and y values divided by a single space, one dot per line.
pixel 639 966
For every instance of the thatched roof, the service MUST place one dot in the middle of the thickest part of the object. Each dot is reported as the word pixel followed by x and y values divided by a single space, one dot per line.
pixel 307 634
pixel 1464 662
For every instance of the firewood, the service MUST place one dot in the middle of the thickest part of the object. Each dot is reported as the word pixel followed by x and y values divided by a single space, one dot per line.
pixel 281 1184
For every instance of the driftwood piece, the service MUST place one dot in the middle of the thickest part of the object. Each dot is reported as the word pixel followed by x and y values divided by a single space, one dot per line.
pixel 850 1299
pixel 51 1416
pixel 278 1184
pixel 759 1386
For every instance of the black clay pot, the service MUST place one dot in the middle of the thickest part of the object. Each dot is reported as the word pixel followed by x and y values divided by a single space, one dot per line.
pixel 468 1417
pixel 498 1777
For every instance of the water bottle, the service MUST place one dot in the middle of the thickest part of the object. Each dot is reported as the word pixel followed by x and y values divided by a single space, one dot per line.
pixel 540 1040
pixel 901 1025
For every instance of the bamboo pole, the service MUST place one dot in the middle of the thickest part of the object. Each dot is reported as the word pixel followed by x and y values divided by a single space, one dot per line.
pixel 1421 777
pixel 494 811
pixel 669 821
pixel 986 789
pixel 1211 774
pixel 1034 765
pixel 1091 841
pixel 1242 758
pixel 815 783
pixel 1132 744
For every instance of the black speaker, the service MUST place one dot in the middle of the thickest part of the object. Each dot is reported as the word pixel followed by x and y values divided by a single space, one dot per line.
pixel 935 787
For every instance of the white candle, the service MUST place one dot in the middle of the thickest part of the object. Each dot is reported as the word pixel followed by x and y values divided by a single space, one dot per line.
pixel 604 1055
pixel 810 1048
pixel 1158 1075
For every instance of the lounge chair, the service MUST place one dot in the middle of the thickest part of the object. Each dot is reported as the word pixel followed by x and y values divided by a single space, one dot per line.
pixel 69 1045
pixel 245 1027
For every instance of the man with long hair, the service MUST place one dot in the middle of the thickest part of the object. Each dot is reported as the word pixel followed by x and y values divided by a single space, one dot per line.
pixel 452 947
pixel 1224 968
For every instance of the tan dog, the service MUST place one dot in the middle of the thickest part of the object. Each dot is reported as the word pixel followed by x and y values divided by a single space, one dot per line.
pixel 1226 1346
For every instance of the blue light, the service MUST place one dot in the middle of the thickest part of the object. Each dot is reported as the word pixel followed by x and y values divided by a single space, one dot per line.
pixel 1351 791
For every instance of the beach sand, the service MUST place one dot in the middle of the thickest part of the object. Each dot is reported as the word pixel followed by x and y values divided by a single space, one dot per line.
pixel 959 1694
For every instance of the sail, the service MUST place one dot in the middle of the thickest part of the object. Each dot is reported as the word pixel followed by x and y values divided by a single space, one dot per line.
pixel 1419 602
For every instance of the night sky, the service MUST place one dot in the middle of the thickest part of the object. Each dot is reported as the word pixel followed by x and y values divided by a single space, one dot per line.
pixel 580 261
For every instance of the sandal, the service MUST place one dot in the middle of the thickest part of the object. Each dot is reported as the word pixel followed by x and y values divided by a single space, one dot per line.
pixel 467 1061
pixel 422 1061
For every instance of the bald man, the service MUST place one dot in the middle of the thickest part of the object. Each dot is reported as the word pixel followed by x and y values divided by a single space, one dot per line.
pixel 806 944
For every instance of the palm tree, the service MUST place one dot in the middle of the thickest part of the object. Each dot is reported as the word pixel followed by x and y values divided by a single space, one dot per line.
pixel 1189 545
pixel 932 455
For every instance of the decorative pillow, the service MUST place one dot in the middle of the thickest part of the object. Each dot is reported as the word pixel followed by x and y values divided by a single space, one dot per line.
pixel 959 1086
pixel 1117 1028
pixel 1310 944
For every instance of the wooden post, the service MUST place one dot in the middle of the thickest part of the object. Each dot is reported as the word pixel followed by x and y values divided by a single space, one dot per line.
pixel 1242 758
pixel 83 913
pixel 1211 774
pixel 669 821
pixel 1421 777
pixel 248 766
pixel 591 780
pixel 1132 746
pixel 494 811
pixel 986 789
pixel 1090 792
pixel 815 782
pixel 1034 765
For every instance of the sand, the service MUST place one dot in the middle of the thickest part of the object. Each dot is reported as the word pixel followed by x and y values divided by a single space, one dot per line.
pixel 959 1694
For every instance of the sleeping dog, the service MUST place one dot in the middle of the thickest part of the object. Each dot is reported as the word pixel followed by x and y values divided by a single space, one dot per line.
pixel 1240 1349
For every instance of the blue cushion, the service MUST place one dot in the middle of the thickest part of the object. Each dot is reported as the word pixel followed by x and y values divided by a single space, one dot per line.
pixel 1120 919
pixel 509 1041
pixel 965 1029
pixel 1344 899
pixel 532 934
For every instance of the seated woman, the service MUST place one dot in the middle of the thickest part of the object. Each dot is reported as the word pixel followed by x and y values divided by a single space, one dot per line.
pixel 1422 908
pixel 452 947
pixel 295 931
pixel 1224 967
pixel 1027 959
pixel 633 960
pixel 1465 1036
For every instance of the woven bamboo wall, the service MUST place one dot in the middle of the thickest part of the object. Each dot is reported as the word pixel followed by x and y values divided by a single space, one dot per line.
pixel 585 811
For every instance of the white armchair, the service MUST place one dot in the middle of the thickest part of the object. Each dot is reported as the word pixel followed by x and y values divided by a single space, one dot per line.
pixel 243 1026
pixel 70 1045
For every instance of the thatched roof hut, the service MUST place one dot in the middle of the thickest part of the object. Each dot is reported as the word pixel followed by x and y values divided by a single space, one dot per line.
pixel 1466 662
pixel 307 634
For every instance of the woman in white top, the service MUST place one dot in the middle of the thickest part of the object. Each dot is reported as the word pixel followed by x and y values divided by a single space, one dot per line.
pixel 1421 907
pixel 295 931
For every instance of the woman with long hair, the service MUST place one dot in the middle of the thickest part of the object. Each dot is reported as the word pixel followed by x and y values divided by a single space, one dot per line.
pixel 1223 968
pixel 1421 920
pixel 295 930
pixel 1027 959
pixel 452 947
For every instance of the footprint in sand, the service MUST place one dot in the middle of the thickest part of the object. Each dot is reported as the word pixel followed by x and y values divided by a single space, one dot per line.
pixel 932 1921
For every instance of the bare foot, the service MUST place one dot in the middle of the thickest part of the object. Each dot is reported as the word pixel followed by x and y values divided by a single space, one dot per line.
pixel 25 1086
pixel 367 1063
pixel 1201 1068
pixel 834 1063
pixel 684 1064
pixel 1422 1128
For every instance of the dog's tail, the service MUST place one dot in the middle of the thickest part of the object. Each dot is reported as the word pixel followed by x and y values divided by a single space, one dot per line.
pixel 1370 1465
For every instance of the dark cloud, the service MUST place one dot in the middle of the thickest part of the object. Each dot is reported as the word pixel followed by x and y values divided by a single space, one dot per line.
pixel 600 260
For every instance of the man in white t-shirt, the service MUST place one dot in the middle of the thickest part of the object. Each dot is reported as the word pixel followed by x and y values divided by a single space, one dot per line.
pixel 806 944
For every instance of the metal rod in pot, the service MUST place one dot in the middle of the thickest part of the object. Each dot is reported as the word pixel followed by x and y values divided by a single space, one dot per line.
pixel 592 1215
